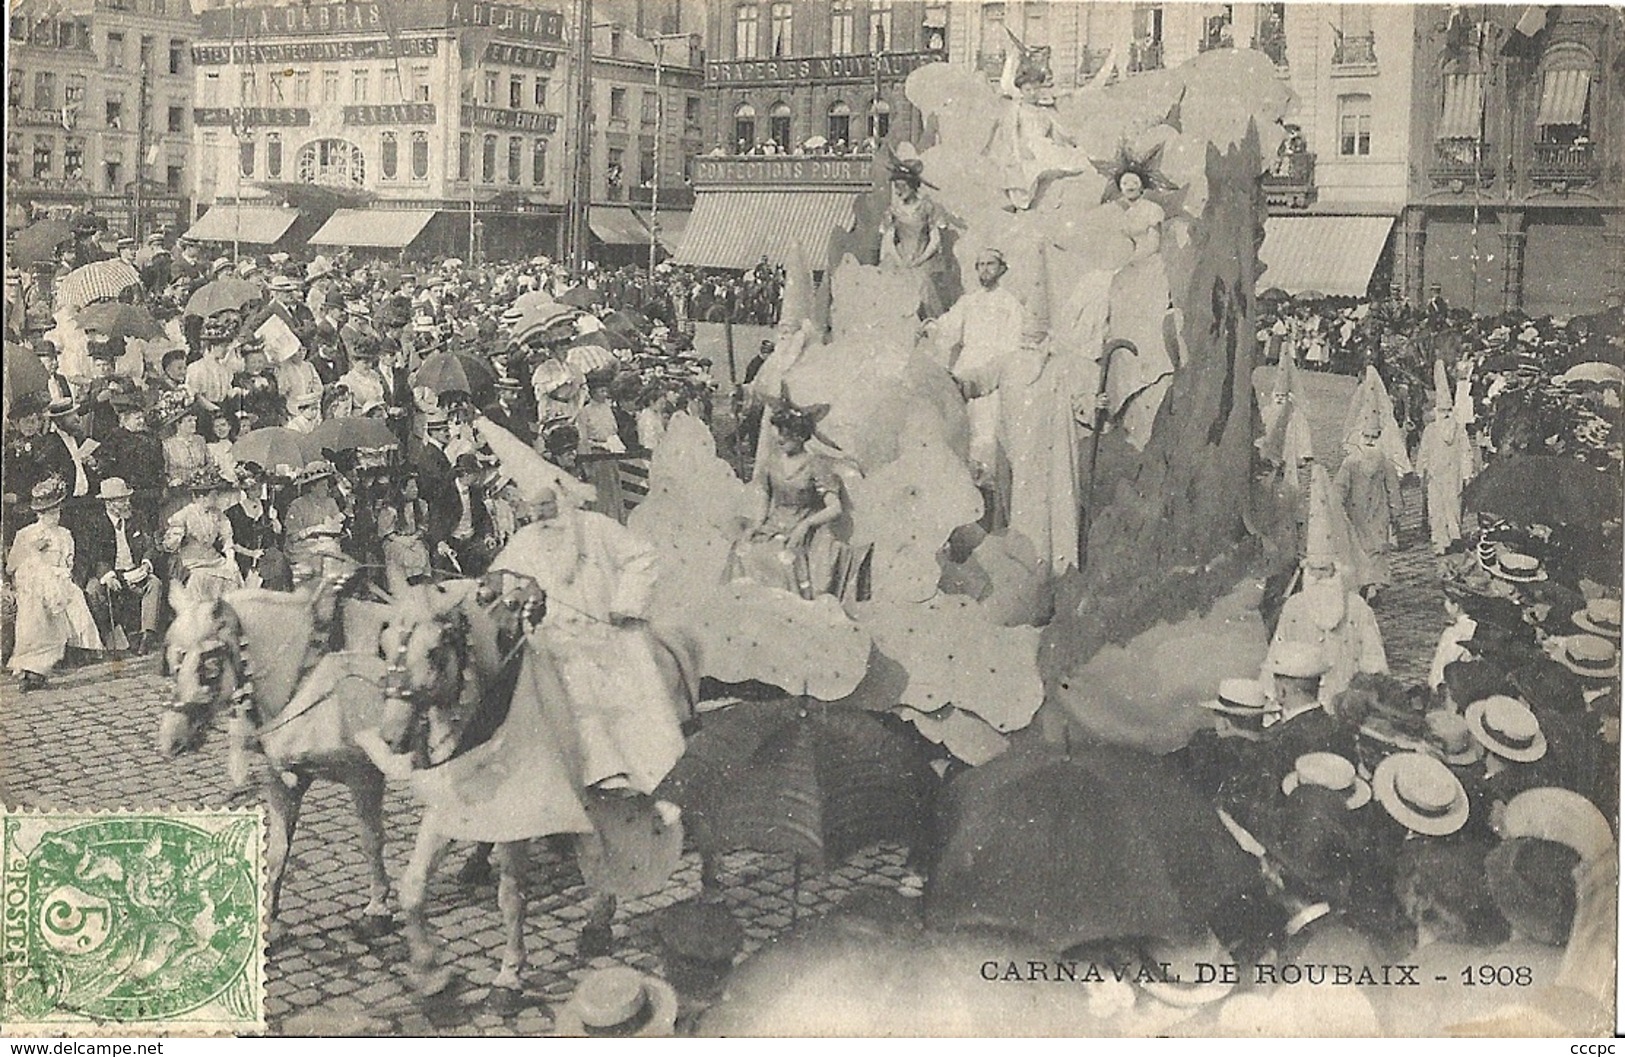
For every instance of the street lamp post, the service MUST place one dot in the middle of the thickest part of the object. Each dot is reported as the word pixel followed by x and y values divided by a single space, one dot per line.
pixel 660 134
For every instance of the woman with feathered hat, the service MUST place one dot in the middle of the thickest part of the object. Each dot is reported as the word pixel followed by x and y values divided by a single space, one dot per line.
pixel 51 610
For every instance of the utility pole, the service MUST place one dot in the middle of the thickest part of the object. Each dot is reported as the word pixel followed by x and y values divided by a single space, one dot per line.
pixel 581 183
pixel 140 154
pixel 660 134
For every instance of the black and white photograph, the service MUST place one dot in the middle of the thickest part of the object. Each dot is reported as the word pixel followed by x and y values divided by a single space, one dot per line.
pixel 811 518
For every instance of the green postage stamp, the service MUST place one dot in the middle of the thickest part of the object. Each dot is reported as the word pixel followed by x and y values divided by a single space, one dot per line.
pixel 134 923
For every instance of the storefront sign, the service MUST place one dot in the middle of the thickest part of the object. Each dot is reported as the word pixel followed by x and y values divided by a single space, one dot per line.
pixel 515 120
pixel 820 69
pixel 382 16
pixel 520 55
pixel 775 171
pixel 258 116
pixel 315 51
pixel 390 114
pixel 37 115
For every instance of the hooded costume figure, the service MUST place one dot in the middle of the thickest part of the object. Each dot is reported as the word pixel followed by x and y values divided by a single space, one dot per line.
pixel 1445 462
pixel 1328 612
pixel 1367 490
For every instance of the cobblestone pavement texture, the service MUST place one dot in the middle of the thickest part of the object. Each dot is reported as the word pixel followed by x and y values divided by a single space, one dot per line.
pixel 88 741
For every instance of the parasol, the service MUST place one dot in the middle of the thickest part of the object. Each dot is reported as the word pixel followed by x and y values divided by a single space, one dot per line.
pixel 800 777
pixel 24 373
pixel 350 433
pixel 38 242
pixel 1103 843
pixel 456 372
pixel 119 320
pixel 1544 489
pixel 98 281
pixel 275 449
pixel 579 297
pixel 590 358
pixel 226 294
pixel 1594 371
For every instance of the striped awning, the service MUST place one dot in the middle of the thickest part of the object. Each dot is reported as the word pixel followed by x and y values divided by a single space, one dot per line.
pixel 258 225
pixel 1463 116
pixel 1563 97
pixel 735 229
pixel 618 226
pixel 1333 255
pixel 672 226
pixel 390 229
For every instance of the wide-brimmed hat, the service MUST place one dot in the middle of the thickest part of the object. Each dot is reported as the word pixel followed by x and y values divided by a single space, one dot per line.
pixel 1453 739
pixel 209 479
pixel 173 406
pixel 114 488
pixel 285 284
pixel 1560 815
pixel 619 1002
pixel 1507 727
pixel 1601 616
pixel 1238 697
pixel 1298 660
pixel 1420 793
pixel 1588 656
pixel 1517 567
pixel 1532 881
pixel 317 268
pixel 1328 770
pixel 48 494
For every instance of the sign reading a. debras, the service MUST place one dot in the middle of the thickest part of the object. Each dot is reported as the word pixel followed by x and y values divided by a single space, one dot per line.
pixel 525 23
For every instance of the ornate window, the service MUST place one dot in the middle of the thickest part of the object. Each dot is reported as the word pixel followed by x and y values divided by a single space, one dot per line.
pixel 744 127
pixel 842 29
pixel 273 155
pixel 778 123
pixel 465 151
pixel 880 38
pixel 516 158
pixel 1565 110
pixel 332 163
pixel 538 163
pixel 488 160
pixel 879 120
pixel 1354 126
pixel 246 152
pixel 783 21
pixel 420 155
pixel 839 128
pixel 388 155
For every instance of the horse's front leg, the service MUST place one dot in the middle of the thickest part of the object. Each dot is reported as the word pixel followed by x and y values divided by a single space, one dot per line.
pixel 511 859
pixel 282 803
pixel 426 974
pixel 367 793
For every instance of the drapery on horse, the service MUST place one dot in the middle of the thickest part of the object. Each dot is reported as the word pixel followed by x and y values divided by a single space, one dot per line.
pixel 269 653
pixel 482 719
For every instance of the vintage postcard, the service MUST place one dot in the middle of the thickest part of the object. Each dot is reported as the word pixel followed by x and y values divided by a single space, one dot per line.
pixel 718 518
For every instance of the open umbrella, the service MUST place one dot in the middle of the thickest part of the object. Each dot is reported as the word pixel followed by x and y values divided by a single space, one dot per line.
pixel 589 358
pixel 802 778
pixel 275 449
pixel 456 372
pixel 1544 489
pixel 24 372
pixel 38 242
pixel 97 281
pixel 120 320
pixel 579 297
pixel 1068 848
pixel 1594 371
pixel 226 294
pixel 349 433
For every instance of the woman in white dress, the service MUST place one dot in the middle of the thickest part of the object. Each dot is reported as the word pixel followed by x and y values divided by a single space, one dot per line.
pixel 51 610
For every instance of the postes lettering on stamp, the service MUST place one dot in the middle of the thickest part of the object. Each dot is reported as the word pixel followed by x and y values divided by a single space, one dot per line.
pixel 132 920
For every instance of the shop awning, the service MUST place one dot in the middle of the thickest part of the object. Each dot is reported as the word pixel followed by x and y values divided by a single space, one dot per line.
pixel 618 226
pixel 1563 97
pixel 255 224
pixel 390 229
pixel 735 229
pixel 673 223
pixel 1333 255
pixel 1463 107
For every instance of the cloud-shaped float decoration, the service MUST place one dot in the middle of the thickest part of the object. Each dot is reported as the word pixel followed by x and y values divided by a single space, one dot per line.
pixel 750 631
pixel 960 732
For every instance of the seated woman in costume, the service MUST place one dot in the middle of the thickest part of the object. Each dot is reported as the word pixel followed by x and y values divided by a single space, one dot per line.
pixel 401 525
pixel 792 544
pixel 200 537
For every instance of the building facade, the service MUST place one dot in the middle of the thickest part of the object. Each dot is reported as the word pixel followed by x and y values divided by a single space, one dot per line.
pixel 99 112
pixel 434 126
pixel 1517 194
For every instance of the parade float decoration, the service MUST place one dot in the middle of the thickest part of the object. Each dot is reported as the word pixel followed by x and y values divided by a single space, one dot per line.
pixel 1129 216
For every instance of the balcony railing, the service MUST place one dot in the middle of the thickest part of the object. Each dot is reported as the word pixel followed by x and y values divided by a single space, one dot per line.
pixel 1355 51
pixel 1145 55
pixel 1290 183
pixel 1463 159
pixel 1564 163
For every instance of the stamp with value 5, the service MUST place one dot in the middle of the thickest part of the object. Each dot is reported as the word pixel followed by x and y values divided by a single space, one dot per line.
pixel 132 923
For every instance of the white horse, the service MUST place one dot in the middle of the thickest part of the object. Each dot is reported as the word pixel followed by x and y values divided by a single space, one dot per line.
pixel 453 716
pixel 295 702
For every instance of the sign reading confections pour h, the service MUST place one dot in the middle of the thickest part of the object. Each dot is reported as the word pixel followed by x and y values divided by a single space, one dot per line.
pixel 526 23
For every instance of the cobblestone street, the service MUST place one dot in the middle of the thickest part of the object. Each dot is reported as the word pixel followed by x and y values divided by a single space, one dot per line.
pixel 88 741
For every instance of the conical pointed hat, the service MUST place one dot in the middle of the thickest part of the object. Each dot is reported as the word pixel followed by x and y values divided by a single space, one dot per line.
pixel 1326 536
pixel 798 288
pixel 1442 396
pixel 532 473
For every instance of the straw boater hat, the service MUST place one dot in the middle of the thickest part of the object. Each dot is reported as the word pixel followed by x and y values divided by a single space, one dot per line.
pixel 1327 770
pixel 1453 739
pixel 48 494
pixel 619 1002
pixel 1517 567
pixel 1508 728
pixel 1601 616
pixel 1589 656
pixel 1238 697
pixel 1420 793
pixel 1560 815
pixel 285 284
